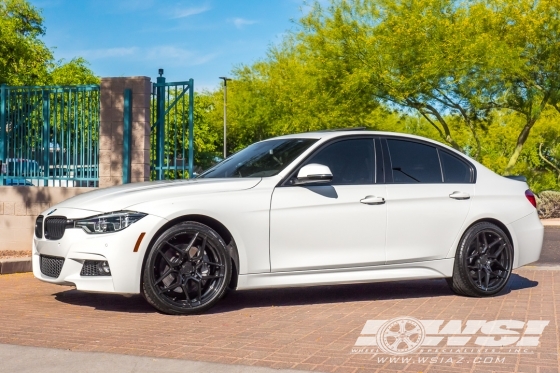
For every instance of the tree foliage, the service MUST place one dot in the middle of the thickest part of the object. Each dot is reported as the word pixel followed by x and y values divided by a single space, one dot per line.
pixel 482 76
pixel 25 59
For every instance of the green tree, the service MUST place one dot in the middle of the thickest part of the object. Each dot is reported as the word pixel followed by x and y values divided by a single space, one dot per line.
pixel 412 54
pixel 24 58
pixel 76 71
pixel 480 75
pixel 530 81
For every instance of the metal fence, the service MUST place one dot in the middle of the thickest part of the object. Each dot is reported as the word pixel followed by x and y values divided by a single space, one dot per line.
pixel 172 148
pixel 49 136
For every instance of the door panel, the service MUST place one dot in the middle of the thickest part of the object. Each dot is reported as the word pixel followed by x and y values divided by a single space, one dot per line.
pixel 427 204
pixel 423 221
pixel 317 227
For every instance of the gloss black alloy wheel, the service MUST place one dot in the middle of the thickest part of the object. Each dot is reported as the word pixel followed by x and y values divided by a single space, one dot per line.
pixel 187 269
pixel 483 262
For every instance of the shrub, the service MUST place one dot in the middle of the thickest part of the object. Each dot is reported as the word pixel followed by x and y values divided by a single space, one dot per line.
pixel 549 204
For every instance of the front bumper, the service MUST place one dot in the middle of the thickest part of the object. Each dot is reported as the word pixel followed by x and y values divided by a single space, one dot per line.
pixel 117 249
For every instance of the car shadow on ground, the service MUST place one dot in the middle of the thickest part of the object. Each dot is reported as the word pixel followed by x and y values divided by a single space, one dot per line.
pixel 350 293
pixel 517 282
pixel 105 302
pixel 281 297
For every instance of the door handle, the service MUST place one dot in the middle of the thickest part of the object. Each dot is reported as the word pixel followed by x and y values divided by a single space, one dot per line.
pixel 373 200
pixel 459 195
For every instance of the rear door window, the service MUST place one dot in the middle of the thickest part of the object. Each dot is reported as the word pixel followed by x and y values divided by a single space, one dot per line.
pixel 413 162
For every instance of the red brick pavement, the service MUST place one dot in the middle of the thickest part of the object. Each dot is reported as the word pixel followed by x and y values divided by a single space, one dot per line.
pixel 300 328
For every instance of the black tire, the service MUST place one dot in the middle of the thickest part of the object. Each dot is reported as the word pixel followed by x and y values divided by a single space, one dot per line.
pixel 483 262
pixel 187 270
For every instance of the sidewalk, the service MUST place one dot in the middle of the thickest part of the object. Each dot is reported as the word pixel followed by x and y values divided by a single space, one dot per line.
pixel 46 360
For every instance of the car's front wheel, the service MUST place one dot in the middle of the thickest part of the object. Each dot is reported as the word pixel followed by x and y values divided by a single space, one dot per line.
pixel 483 261
pixel 187 269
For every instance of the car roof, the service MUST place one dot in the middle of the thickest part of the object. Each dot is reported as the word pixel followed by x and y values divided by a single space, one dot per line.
pixel 341 133
pixel 331 134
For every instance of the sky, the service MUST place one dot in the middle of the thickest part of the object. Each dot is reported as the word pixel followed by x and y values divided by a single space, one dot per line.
pixel 199 39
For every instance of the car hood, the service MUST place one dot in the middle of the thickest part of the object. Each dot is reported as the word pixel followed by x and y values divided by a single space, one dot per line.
pixel 123 196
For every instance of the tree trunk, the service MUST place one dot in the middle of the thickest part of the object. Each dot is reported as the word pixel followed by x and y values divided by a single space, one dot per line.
pixel 520 142
pixel 445 133
pixel 556 168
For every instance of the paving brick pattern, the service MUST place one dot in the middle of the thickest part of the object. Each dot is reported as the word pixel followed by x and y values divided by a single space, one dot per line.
pixel 307 328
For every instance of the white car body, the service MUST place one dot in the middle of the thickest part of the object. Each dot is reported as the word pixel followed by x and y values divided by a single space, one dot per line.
pixel 299 236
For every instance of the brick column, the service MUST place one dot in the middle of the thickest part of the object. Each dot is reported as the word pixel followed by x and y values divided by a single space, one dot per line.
pixel 111 131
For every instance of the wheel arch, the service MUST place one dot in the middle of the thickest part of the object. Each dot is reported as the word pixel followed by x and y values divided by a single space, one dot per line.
pixel 496 222
pixel 461 282
pixel 221 229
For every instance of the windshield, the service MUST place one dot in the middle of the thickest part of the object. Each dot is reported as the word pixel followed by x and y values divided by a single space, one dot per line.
pixel 262 159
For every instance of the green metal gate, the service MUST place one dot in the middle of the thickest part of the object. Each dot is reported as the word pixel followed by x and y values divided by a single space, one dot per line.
pixel 172 150
pixel 49 136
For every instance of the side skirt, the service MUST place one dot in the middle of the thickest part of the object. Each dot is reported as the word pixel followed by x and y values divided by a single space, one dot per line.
pixel 393 272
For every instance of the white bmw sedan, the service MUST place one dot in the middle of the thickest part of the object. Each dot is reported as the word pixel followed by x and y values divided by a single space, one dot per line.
pixel 308 209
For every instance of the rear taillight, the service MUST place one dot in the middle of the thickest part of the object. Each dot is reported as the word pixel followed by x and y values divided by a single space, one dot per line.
pixel 531 197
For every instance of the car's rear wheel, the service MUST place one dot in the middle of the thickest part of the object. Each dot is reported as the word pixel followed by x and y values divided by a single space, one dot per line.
pixel 483 261
pixel 187 269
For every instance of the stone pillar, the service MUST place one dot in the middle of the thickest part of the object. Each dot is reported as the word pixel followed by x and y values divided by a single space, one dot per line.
pixel 111 131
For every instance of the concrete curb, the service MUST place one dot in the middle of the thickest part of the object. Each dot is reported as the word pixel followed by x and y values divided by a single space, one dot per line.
pixel 17 265
pixel 551 222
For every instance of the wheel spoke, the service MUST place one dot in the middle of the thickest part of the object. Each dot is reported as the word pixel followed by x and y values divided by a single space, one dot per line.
pixel 176 248
pixel 167 260
pixel 192 242
pixel 212 264
pixel 185 288
pixel 499 274
pixel 165 274
pixel 203 246
pixel 498 252
pixel 487 278
pixel 495 242
pixel 485 241
pixel 199 287
pixel 499 265
pixel 198 297
pixel 479 277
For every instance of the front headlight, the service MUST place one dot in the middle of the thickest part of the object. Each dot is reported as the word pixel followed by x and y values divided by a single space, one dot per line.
pixel 110 222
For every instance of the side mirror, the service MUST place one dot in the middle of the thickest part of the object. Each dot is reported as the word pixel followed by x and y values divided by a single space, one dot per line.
pixel 313 173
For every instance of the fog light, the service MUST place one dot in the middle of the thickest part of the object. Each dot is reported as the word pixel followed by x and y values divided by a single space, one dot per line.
pixel 103 268
pixel 95 268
